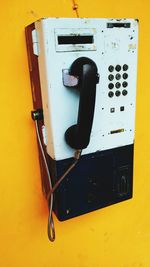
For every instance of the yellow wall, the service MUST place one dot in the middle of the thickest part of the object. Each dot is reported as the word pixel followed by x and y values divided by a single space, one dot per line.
pixel 117 236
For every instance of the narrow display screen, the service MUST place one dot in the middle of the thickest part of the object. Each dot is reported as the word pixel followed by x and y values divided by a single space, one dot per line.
pixel 75 39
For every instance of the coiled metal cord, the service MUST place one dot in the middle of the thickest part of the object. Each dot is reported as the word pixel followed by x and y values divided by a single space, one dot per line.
pixel 50 197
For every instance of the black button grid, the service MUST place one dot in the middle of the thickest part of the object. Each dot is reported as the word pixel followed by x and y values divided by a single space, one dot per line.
pixel 115 80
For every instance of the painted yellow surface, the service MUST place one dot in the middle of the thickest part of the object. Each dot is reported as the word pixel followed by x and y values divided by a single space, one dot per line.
pixel 116 236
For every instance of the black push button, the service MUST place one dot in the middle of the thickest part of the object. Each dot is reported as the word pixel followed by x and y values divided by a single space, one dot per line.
pixel 110 94
pixel 118 68
pixel 112 110
pixel 122 108
pixel 124 92
pixel 125 76
pixel 117 85
pixel 111 77
pixel 125 67
pixel 111 68
pixel 117 93
pixel 111 85
pixel 118 76
pixel 124 84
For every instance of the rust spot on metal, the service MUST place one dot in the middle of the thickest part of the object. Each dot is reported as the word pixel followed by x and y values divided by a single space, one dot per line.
pixel 75 8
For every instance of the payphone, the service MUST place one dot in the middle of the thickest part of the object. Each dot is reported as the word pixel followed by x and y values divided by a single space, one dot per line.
pixel 83 78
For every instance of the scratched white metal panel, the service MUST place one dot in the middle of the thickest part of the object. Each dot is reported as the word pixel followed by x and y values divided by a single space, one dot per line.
pixel 114 46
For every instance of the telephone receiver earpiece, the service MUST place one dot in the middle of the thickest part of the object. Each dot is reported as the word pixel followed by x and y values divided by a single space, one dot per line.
pixel 78 136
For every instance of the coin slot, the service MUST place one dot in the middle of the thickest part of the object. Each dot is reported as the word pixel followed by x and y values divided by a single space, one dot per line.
pixel 117 131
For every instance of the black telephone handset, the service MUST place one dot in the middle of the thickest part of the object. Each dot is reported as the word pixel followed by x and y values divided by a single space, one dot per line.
pixel 78 136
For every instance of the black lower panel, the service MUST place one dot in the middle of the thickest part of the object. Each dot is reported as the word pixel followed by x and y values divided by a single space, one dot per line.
pixel 98 180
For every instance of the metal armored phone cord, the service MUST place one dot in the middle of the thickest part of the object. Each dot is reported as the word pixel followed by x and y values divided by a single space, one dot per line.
pixel 51 228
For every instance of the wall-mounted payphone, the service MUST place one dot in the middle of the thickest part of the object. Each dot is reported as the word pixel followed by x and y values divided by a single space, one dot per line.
pixel 83 79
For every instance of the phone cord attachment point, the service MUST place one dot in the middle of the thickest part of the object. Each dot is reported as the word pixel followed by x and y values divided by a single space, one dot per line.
pixel 37 115
pixel 77 154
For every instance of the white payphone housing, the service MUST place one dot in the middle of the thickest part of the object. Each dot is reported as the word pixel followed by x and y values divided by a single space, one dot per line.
pixel 83 77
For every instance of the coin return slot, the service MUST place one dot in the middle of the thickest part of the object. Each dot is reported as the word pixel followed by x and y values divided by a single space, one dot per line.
pixel 74 39
pixel 117 131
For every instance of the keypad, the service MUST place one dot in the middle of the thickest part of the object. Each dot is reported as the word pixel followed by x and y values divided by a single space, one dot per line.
pixel 118 79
